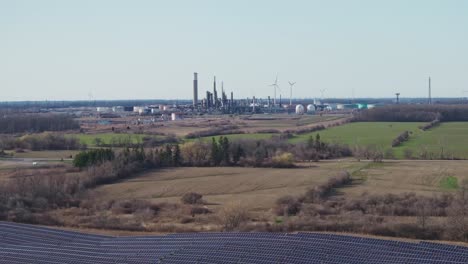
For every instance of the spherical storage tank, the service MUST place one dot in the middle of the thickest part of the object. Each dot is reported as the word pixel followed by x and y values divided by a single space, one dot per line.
pixel 299 109
pixel 311 109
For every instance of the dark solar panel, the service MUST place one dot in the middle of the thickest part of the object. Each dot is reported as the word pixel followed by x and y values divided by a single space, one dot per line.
pixel 33 244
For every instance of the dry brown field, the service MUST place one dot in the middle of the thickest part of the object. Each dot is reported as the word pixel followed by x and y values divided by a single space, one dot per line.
pixel 255 188
pixel 399 176
pixel 258 188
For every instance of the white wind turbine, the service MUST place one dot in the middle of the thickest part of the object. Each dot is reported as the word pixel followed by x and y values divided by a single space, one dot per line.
pixel 291 84
pixel 275 86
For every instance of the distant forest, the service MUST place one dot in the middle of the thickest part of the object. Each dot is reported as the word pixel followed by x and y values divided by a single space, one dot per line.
pixel 36 123
pixel 414 113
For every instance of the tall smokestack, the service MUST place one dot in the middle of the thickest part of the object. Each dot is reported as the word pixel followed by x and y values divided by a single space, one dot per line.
pixel 430 96
pixel 195 89
pixel 215 93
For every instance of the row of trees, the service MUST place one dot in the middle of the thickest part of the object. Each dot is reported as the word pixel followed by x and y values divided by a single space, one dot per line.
pixel 45 141
pixel 220 152
pixel 414 113
pixel 400 139
pixel 36 123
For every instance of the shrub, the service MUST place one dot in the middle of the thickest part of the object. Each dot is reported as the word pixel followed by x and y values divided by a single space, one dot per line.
pixel 430 125
pixel 199 210
pixel 287 205
pixel 400 139
pixel 192 198
pixel 232 216
pixel 285 160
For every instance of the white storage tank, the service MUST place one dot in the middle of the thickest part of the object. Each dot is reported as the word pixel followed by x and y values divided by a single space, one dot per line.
pixel 103 109
pixel 118 109
pixel 311 109
pixel 136 109
pixel 299 109
pixel 174 116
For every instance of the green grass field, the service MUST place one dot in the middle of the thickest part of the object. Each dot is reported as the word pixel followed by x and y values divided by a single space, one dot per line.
pixel 379 134
pixel 451 138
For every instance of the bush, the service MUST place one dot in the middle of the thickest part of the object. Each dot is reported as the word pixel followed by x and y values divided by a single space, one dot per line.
pixel 287 205
pixel 192 198
pixel 430 125
pixel 400 139
pixel 285 160
pixel 320 192
pixel 232 216
pixel 199 210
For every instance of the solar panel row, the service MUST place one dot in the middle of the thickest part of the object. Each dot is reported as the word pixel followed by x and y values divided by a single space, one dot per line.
pixel 21 243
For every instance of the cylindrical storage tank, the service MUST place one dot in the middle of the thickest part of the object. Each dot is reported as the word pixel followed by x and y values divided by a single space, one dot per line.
pixel 174 116
pixel 370 106
pixel 103 109
pixel 311 109
pixel 362 106
pixel 299 109
pixel 118 109
pixel 155 111
pixel 167 108
pixel 340 106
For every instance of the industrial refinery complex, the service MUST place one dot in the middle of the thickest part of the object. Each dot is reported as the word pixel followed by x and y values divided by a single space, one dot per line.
pixel 220 102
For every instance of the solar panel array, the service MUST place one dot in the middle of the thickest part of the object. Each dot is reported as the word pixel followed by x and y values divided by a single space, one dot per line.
pixel 21 243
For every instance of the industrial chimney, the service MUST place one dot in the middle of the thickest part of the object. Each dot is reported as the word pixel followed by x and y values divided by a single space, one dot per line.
pixel 195 89
pixel 430 95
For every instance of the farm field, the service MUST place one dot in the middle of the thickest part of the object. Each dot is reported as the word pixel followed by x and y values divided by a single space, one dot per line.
pixel 258 188
pixel 379 134
pixel 450 138
pixel 419 176
pixel 255 188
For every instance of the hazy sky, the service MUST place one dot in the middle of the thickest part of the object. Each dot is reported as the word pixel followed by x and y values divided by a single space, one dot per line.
pixel 135 49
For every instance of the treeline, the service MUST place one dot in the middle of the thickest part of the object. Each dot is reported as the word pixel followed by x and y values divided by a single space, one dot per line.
pixel 221 152
pixel 93 157
pixel 414 113
pixel 46 141
pixel 36 123
pixel 430 125
pixel 400 139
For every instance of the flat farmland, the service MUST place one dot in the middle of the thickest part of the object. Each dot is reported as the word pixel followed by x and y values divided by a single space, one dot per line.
pixel 449 139
pixel 258 188
pixel 255 188
pixel 419 176
pixel 379 134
